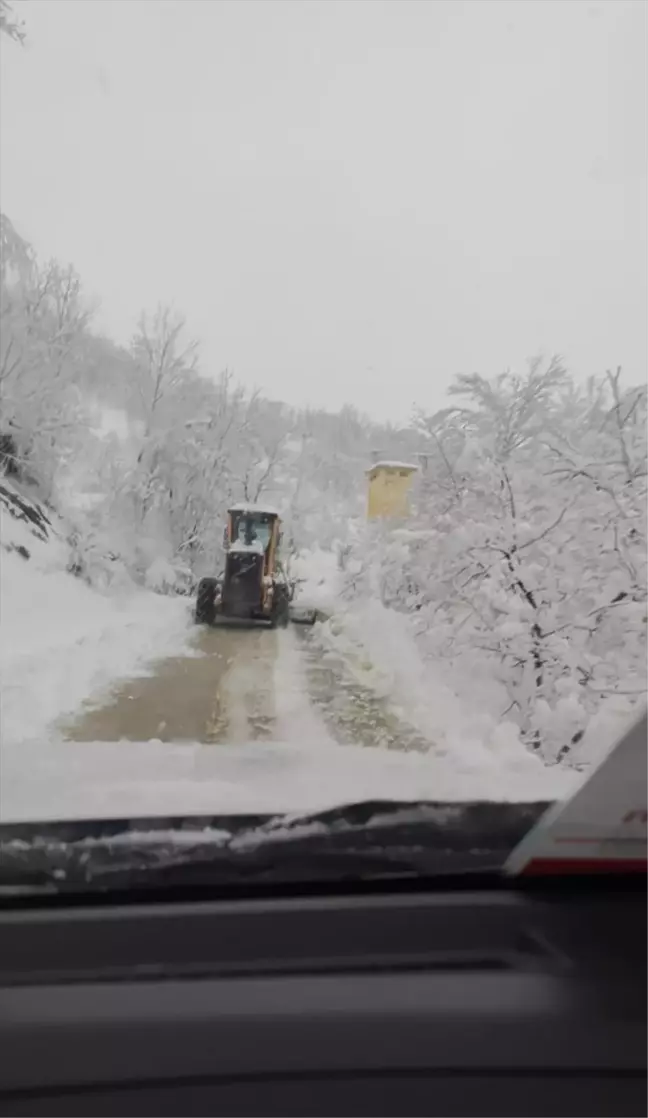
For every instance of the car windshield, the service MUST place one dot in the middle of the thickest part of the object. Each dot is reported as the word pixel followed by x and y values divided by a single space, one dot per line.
pixel 361 286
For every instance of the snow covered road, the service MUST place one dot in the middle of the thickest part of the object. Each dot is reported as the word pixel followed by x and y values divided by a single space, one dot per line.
pixel 246 684
pixel 114 703
pixel 243 719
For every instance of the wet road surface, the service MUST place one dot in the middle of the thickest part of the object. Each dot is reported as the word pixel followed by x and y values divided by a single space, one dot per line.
pixel 243 684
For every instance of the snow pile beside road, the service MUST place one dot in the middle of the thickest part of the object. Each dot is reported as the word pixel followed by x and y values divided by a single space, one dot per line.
pixel 318 579
pixel 61 639
pixel 462 716
pixel 380 650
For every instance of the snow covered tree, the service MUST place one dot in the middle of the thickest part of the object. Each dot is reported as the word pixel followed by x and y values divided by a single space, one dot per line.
pixel 42 320
pixel 10 26
pixel 164 362
pixel 525 563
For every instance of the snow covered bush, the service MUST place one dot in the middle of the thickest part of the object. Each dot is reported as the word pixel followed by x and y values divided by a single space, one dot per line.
pixel 525 564
pixel 169 578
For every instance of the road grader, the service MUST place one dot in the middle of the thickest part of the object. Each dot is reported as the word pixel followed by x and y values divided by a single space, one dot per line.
pixel 254 585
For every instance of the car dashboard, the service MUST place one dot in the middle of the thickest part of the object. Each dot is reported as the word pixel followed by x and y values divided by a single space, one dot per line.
pixel 482 999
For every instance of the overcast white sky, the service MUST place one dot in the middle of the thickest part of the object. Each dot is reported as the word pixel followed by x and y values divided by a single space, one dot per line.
pixel 350 200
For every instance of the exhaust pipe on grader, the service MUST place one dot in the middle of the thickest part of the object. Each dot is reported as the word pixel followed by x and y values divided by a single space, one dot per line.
pixel 254 585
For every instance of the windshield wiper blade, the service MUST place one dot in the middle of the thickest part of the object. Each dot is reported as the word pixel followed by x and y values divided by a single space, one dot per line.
pixel 354 842
pixel 63 872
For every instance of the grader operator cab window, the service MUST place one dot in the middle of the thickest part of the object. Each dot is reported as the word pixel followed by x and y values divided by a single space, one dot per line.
pixel 252 529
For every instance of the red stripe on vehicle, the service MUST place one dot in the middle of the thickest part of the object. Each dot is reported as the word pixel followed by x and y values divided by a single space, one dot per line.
pixel 557 866
pixel 600 840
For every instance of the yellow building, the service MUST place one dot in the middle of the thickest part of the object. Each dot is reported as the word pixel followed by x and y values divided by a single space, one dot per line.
pixel 390 484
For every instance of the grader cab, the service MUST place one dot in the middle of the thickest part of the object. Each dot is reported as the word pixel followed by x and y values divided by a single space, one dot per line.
pixel 253 586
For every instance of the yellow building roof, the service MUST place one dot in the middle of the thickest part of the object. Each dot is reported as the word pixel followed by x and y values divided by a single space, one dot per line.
pixel 387 465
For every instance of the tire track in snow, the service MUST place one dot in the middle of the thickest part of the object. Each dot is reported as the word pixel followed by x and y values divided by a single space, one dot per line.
pixel 354 714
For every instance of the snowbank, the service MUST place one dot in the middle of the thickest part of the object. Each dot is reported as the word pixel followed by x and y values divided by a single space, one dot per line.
pixel 318 579
pixel 379 649
pixel 61 639
pixel 461 716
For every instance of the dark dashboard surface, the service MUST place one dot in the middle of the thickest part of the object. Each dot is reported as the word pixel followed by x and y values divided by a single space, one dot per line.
pixel 471 1001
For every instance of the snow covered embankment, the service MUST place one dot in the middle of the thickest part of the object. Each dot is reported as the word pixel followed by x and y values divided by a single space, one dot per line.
pixel 61 639
pixel 472 753
pixel 461 716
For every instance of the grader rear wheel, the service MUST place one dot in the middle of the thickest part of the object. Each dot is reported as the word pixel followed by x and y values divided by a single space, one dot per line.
pixel 280 615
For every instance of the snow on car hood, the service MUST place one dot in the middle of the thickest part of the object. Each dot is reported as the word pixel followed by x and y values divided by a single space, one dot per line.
pixel 107 779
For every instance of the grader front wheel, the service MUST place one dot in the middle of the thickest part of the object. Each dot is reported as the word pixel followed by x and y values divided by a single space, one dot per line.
pixel 206 601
